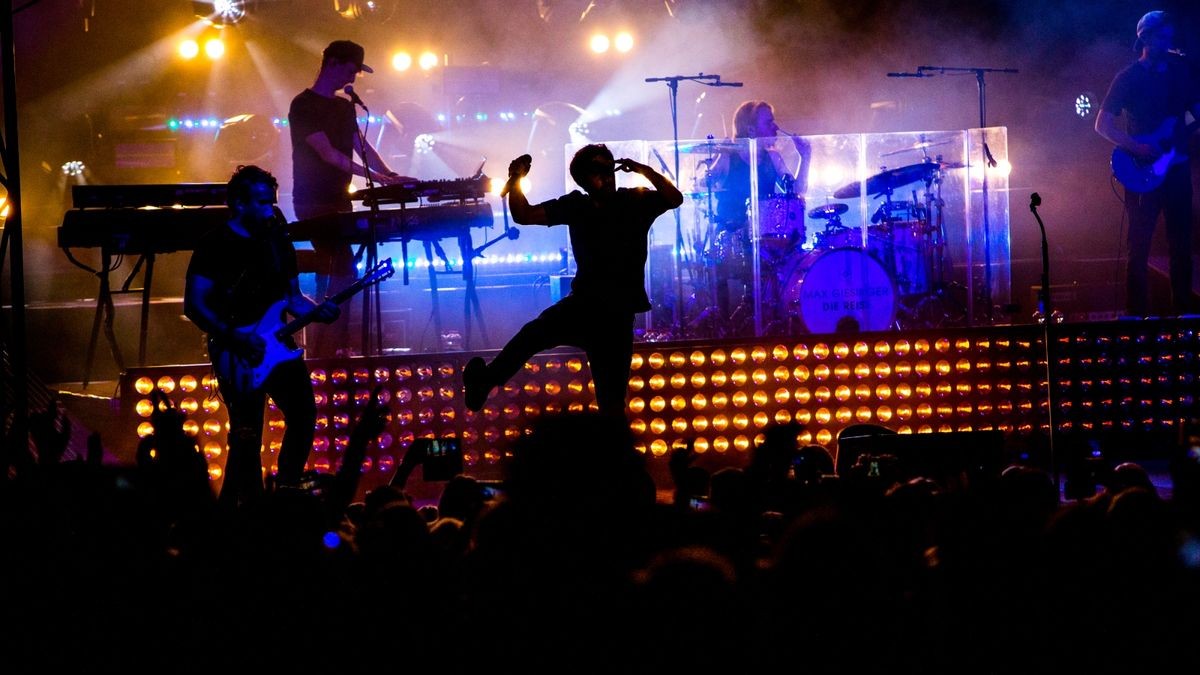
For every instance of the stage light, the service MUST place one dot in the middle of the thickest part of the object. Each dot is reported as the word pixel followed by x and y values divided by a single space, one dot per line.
pixel 424 143
pixel 1003 167
pixel 624 41
pixel 5 207
pixel 378 10
pixel 220 12
pixel 214 48
pixel 599 43
pixel 427 60
pixel 1085 105
pixel 189 49
pixel 73 168
pixel 402 61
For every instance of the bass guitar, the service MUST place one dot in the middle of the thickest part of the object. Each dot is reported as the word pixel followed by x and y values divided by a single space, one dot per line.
pixel 1143 176
pixel 249 373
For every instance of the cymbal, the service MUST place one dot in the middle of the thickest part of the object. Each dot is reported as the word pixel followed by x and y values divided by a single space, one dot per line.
pixel 709 147
pixel 701 194
pixel 889 180
pixel 828 211
pixel 914 147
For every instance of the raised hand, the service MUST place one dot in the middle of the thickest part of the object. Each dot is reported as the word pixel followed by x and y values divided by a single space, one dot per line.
pixel 629 166
pixel 519 167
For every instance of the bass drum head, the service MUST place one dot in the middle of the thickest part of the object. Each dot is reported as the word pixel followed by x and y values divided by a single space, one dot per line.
pixel 841 290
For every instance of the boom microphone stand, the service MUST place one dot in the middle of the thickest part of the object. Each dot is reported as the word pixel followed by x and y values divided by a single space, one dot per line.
pixel 930 71
pixel 673 87
pixel 1047 317
pixel 371 297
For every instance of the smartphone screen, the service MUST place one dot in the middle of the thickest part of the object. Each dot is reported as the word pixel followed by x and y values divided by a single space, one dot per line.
pixel 441 458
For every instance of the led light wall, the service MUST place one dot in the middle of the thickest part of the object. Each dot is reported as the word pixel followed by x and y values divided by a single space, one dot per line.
pixel 721 397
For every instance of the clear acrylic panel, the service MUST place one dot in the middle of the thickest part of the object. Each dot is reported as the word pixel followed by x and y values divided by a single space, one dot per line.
pixel 888 231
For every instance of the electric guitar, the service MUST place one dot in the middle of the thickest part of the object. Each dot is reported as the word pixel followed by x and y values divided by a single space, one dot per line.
pixel 1143 176
pixel 248 374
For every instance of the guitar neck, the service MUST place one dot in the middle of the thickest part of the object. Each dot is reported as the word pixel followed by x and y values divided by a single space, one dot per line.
pixel 297 324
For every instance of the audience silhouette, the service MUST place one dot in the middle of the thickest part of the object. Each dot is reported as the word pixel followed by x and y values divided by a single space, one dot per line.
pixel 572 562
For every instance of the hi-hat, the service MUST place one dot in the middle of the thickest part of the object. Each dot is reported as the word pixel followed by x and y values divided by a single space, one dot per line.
pixel 828 211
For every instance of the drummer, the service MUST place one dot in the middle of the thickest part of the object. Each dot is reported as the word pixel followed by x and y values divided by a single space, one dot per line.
pixel 752 119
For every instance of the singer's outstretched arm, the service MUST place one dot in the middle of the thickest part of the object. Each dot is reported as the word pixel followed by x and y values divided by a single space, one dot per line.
pixel 523 212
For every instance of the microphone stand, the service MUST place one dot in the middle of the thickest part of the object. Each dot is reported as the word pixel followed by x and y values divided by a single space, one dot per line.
pixel 1043 309
pixel 673 88
pixel 989 161
pixel 1046 317
pixel 371 298
pixel 471 301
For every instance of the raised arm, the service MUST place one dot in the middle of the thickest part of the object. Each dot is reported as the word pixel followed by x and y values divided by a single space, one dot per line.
pixel 661 183
pixel 805 149
pixel 523 212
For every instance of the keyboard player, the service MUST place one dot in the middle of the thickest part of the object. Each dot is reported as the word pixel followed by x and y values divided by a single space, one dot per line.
pixel 325 137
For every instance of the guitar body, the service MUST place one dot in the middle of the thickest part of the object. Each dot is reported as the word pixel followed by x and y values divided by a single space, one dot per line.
pixel 1139 176
pixel 246 375
pixel 243 374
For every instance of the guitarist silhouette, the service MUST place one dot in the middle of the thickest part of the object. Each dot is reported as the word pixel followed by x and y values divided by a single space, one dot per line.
pixel 239 274
pixel 1153 95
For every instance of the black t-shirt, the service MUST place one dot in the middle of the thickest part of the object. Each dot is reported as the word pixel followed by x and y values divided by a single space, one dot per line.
pixel 731 202
pixel 1149 97
pixel 315 182
pixel 249 274
pixel 609 242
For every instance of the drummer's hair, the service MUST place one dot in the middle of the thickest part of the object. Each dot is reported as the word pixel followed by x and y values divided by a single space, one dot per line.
pixel 745 116
pixel 582 164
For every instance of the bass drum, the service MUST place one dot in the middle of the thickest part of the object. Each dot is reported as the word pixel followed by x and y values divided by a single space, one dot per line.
pixel 840 290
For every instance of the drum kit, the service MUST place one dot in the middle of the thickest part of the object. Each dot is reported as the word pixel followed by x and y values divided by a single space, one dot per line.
pixel 889 275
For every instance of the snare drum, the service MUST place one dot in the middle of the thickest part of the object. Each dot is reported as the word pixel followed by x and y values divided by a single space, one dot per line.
pixel 840 290
pixel 839 237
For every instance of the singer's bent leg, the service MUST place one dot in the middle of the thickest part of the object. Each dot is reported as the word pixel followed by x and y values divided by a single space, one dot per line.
pixel 555 326
pixel 609 356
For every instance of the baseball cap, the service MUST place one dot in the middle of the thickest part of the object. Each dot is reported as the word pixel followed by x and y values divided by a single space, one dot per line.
pixel 1150 22
pixel 346 52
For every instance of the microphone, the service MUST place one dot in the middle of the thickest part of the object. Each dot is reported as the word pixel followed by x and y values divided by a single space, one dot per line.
pixel 1035 200
pixel 523 159
pixel 908 75
pixel 719 83
pixel 987 152
pixel 349 91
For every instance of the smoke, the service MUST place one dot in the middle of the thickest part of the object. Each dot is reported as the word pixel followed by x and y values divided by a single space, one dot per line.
pixel 823 65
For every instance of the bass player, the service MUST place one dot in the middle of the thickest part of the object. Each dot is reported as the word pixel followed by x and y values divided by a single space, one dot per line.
pixel 1153 94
